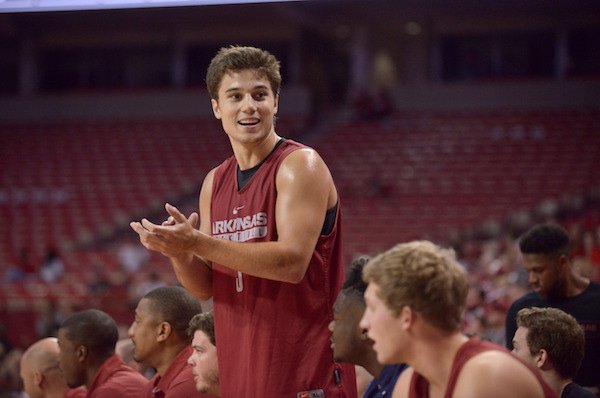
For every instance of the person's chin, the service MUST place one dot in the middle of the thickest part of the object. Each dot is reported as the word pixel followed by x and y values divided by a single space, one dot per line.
pixel 381 357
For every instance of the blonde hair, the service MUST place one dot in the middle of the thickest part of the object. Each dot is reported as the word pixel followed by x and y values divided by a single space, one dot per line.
pixel 423 276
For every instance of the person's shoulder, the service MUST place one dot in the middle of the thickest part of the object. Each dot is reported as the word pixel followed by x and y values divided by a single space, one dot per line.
pixel 527 300
pixel 79 392
pixel 121 389
pixel 574 390
pixel 402 387
pixel 302 159
pixel 594 287
pixel 128 375
pixel 183 387
pixel 391 372
pixel 496 373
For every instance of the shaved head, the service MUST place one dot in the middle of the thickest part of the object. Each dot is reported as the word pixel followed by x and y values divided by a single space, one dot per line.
pixel 39 369
pixel 42 354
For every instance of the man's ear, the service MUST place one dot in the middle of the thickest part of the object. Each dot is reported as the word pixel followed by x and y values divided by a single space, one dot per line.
pixel 38 378
pixel 276 105
pixel 215 107
pixel 542 360
pixel 164 331
pixel 407 317
pixel 82 353
pixel 563 262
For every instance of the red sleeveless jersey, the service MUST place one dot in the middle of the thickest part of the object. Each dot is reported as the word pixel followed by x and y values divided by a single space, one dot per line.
pixel 272 337
pixel 419 386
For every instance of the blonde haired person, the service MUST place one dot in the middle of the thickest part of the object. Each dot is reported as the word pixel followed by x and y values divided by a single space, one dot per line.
pixel 415 303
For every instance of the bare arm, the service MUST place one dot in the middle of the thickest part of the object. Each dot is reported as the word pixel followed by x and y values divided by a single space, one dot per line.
pixel 496 374
pixel 304 191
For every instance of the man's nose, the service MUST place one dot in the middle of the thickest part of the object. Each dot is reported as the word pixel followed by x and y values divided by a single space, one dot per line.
pixel 532 278
pixel 249 105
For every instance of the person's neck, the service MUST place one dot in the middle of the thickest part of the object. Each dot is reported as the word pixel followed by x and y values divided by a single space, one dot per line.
pixel 167 355
pixel 215 391
pixel 56 391
pixel 91 373
pixel 433 355
pixel 249 155
pixel 371 364
pixel 575 285
pixel 555 381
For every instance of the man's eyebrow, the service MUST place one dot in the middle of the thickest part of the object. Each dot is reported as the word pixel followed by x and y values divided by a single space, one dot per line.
pixel 259 86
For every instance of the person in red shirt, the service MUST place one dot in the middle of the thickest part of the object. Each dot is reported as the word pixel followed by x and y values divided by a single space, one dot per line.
pixel 160 340
pixel 269 247
pixel 204 359
pixel 41 375
pixel 415 303
pixel 87 357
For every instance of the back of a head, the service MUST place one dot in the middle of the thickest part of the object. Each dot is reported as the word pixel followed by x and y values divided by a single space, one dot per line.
pixel 556 332
pixel 238 58
pixel 175 305
pixel 204 322
pixel 93 329
pixel 546 239
pixel 43 353
pixel 355 284
pixel 42 357
pixel 425 277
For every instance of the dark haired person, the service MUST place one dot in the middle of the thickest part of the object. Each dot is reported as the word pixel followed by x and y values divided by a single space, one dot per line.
pixel 269 245
pixel 545 249
pixel 87 357
pixel 160 340
pixel 350 343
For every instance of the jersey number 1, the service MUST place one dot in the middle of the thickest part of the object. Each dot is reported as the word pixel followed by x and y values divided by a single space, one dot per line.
pixel 239 282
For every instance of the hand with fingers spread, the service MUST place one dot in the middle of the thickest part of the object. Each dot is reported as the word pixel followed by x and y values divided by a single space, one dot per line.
pixel 174 238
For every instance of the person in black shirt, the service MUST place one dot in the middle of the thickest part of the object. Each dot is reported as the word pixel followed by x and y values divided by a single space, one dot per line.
pixel 556 284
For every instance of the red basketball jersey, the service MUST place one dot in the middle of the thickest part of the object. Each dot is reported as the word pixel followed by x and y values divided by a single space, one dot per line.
pixel 272 337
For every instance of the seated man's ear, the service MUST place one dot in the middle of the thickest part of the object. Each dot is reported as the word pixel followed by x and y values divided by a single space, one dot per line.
pixel 542 360
pixel 164 331
pixel 82 353
pixel 38 378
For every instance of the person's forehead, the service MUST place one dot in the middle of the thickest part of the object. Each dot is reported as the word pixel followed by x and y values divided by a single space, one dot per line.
pixel 144 307
pixel 201 339
pixel 63 338
pixel 250 77
pixel 521 330
pixel 520 337
pixel 348 302
pixel 537 260
pixel 372 291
